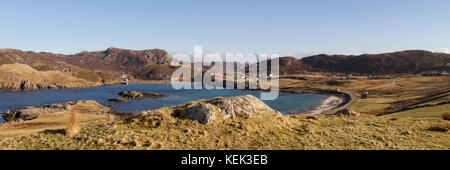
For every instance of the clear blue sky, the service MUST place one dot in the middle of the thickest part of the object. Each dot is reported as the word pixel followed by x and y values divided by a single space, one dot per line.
pixel 289 27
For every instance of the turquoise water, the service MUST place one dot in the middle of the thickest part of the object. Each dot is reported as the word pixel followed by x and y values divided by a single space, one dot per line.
pixel 286 103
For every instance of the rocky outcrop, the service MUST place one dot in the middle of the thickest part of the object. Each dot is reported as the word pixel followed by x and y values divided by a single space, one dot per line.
pixel 131 94
pixel 17 77
pixel 204 113
pixel 118 100
pixel 139 95
pixel 246 106
pixel 153 95
pixel 348 112
pixel 141 64
pixel 28 85
pixel 33 112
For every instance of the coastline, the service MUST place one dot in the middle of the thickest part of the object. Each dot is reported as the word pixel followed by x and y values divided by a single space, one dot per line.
pixel 327 104
pixel 334 99
pixel 54 87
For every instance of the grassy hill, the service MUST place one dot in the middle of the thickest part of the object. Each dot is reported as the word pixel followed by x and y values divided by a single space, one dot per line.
pixel 140 64
pixel 23 77
pixel 409 118
pixel 267 132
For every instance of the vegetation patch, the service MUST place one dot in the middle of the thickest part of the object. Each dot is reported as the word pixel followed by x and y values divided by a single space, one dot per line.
pixel 335 83
pixel 445 127
pixel 446 116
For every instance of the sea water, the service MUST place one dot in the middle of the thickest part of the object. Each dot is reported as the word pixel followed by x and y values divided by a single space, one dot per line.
pixel 285 103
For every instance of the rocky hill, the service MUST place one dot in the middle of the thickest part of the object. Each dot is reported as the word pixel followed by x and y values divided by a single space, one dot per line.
pixel 291 65
pixel 118 59
pixel 411 61
pixel 154 64
pixel 23 77
pixel 139 63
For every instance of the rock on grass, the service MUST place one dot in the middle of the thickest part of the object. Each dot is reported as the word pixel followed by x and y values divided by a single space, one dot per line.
pixel 245 106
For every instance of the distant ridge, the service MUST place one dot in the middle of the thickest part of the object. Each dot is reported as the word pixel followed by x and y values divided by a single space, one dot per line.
pixel 154 64
pixel 409 61
pixel 112 59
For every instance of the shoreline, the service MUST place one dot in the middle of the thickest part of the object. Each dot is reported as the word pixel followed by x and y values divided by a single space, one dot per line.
pixel 65 87
pixel 330 103
pixel 88 86
pixel 334 99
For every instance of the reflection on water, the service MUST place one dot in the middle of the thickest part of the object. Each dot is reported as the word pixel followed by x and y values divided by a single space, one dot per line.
pixel 286 103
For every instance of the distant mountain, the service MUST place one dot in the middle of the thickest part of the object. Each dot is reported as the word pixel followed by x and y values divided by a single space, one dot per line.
pixel 410 61
pixel 291 65
pixel 154 64
pixel 118 59
pixel 139 63
pixel 17 76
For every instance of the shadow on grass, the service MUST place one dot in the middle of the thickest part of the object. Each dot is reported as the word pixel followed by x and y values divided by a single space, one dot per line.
pixel 55 131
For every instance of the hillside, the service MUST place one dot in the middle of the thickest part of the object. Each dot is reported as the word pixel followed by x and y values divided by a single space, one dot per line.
pixel 291 65
pixel 23 77
pixel 134 62
pixel 408 113
pixel 173 128
pixel 411 61
pixel 118 59
pixel 154 64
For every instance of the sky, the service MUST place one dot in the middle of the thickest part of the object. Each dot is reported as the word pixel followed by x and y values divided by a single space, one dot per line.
pixel 296 27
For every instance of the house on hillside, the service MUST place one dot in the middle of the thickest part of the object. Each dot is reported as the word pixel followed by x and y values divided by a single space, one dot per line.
pixel 125 79
pixel 370 77
pixel 347 76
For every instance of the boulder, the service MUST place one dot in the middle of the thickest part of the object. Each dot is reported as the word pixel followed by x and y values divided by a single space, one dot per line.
pixel 33 112
pixel 204 113
pixel 246 106
pixel 348 112
pixel 226 108
pixel 30 113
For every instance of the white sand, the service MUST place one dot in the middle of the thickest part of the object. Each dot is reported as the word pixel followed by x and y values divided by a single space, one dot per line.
pixel 328 104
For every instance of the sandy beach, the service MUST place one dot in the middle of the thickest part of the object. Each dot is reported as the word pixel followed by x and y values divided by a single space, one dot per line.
pixel 327 104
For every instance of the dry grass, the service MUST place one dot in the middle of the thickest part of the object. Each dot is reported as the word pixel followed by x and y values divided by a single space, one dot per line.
pixel 72 125
pixel 446 116
pixel 444 127
pixel 57 120
pixel 259 133
pixel 408 129
pixel 11 76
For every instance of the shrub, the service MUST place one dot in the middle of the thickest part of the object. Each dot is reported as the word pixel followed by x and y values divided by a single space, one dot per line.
pixel 446 116
pixel 334 83
pixel 440 128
